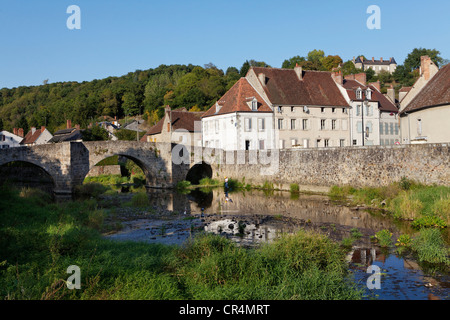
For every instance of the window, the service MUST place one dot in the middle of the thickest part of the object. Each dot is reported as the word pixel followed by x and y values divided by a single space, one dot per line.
pixel 305 143
pixel 355 142
pixel 247 144
pixel 292 124
pixel 322 110
pixel 382 142
pixel 333 110
pixel 419 127
pixel 261 124
pixel 280 124
pixel 333 124
pixel 216 124
pixel 254 105
pixel 344 110
pixel 305 124
pixel 248 124
pixel 391 126
pixel 358 110
pixel 327 142
pixel 317 143
pixel 322 124
pixel 369 94
pixel 2 138
pixel 359 94
pixel 280 109
pixel 386 128
pixel 342 142
pixel 396 128
pixel 261 144
pixel 359 126
pixel 381 128
pixel 292 109
pixel 281 144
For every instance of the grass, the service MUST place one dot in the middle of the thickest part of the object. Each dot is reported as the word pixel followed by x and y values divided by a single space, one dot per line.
pixel 430 247
pixel 39 241
pixel 405 200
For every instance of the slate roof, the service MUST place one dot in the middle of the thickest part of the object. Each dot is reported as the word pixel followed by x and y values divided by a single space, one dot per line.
pixel 238 99
pixel 435 93
pixel 384 103
pixel 70 134
pixel 317 88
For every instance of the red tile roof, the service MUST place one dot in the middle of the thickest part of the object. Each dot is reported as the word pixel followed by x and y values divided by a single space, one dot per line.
pixel 435 93
pixel 384 103
pixel 317 88
pixel 31 137
pixel 238 99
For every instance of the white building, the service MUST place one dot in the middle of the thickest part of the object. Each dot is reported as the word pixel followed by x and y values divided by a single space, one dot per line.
pixel 9 140
pixel 241 120
pixel 373 117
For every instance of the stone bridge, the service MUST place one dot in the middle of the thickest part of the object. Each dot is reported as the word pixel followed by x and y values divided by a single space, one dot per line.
pixel 165 164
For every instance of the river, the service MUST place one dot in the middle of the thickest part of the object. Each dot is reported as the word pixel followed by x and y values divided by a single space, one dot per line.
pixel 250 218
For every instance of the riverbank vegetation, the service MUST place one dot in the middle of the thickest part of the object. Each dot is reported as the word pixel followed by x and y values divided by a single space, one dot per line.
pixel 427 208
pixel 40 240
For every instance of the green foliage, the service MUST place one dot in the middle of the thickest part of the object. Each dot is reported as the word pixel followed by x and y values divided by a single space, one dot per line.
pixel 294 187
pixel 95 134
pixel 384 238
pixel 128 135
pixel 412 61
pixel 428 222
pixel 209 182
pixel 404 240
pixel 430 247
pixel 183 185
pixel 90 190
pixel 39 242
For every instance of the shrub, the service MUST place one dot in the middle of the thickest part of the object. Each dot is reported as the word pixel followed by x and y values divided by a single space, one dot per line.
pixel 384 238
pixel 404 240
pixel 430 247
pixel 428 221
pixel 90 190
pixel 294 187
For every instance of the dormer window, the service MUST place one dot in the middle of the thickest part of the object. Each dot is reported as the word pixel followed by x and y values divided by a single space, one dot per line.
pixel 359 94
pixel 218 107
pixel 254 105
pixel 368 94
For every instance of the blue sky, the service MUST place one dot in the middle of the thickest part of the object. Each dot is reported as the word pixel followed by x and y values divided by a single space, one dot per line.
pixel 117 37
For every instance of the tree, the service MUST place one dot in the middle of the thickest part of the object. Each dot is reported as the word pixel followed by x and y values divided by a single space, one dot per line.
pixel 130 104
pixel 1 124
pixel 370 75
pixel 349 68
pixel 292 62
pixel 331 62
pixel 412 61
pixel 97 133
pixel 316 56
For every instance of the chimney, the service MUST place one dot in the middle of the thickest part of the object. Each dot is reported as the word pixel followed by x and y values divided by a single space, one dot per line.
pixel 425 62
pixel 262 78
pixel 337 77
pixel 376 85
pixel 361 77
pixel 299 71
pixel 391 94
pixel 373 59
pixel 33 130
pixel 381 59
pixel 42 129
pixel 69 124
pixel 20 133
pixel 15 131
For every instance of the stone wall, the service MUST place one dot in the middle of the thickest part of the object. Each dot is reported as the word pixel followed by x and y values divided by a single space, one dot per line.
pixel 356 166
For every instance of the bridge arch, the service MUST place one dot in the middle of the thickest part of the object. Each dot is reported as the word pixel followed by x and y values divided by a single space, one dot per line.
pixel 24 173
pixel 199 171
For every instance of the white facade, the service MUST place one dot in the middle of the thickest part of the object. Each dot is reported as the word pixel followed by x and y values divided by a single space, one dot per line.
pixel 9 140
pixel 239 131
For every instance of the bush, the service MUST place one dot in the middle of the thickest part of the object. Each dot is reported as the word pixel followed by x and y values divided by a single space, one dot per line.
pixel 90 190
pixel 294 187
pixel 430 247
pixel 384 238
pixel 427 222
